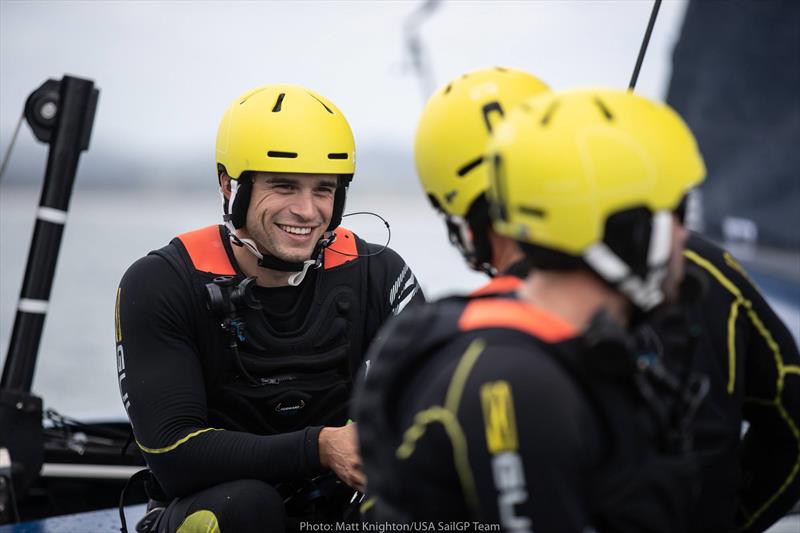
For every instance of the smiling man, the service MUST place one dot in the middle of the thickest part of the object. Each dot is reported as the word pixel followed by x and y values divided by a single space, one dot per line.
pixel 237 344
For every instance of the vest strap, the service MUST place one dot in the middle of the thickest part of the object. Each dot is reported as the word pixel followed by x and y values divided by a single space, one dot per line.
pixel 498 285
pixel 511 314
pixel 345 243
pixel 207 251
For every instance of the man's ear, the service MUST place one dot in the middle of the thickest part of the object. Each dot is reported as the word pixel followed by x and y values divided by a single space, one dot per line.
pixel 225 184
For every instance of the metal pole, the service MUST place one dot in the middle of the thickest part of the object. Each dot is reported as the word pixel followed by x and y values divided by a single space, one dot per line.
pixel 61 114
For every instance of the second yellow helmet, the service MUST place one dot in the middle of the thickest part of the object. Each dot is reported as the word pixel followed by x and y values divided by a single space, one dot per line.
pixel 454 128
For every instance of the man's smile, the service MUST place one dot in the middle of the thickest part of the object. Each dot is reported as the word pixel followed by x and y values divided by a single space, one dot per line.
pixel 295 230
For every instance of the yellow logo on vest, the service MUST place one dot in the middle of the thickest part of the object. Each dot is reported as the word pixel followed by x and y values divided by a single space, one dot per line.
pixel 498 416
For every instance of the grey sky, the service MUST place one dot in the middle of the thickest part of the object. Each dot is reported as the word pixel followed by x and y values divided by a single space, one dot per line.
pixel 167 70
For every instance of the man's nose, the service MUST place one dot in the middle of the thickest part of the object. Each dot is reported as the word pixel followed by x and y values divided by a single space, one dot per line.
pixel 303 204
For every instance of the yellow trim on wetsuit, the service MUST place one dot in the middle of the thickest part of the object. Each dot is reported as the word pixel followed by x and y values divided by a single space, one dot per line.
pixel 739 300
pixel 459 379
pixel 734 264
pixel 117 326
pixel 367 505
pixel 447 417
pixel 203 521
pixel 732 344
pixel 458 440
pixel 782 369
pixel 175 444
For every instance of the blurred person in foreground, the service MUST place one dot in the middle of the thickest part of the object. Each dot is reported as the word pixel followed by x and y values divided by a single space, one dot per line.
pixel 750 480
pixel 536 409
pixel 238 343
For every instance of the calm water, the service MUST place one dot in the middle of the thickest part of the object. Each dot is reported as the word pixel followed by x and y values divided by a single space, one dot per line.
pixel 107 231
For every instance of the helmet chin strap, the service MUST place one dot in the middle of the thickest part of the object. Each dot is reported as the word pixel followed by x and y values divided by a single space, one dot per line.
pixel 460 234
pixel 645 293
pixel 234 236
pixel 273 263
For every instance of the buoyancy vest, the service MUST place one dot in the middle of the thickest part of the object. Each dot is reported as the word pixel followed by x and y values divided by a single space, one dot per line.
pixel 634 470
pixel 301 378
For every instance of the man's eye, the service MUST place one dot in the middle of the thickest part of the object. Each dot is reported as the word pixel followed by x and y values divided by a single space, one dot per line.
pixel 284 186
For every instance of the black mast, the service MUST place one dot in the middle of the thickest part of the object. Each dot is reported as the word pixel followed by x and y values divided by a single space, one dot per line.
pixel 61 114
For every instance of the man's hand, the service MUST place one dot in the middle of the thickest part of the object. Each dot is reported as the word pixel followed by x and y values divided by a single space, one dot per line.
pixel 338 450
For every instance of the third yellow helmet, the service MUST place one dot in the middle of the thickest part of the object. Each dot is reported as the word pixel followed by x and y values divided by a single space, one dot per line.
pixel 564 165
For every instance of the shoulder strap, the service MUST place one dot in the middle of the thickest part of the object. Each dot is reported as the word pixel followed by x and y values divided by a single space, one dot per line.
pixel 498 285
pixel 513 314
pixel 207 251
pixel 343 250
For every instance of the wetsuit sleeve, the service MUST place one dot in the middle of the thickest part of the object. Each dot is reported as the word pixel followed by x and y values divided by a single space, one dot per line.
pixel 529 433
pixel 768 369
pixel 395 284
pixel 771 447
pixel 163 390
pixel 393 288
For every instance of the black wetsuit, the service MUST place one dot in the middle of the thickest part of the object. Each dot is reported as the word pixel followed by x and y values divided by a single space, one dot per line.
pixel 753 366
pixel 490 410
pixel 754 369
pixel 206 417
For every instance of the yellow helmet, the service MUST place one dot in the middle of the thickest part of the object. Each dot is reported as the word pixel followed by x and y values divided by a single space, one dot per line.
pixel 284 128
pixel 568 169
pixel 448 151
pixel 454 128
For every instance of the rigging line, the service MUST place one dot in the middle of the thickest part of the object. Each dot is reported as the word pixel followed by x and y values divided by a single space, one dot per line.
pixel 645 42
pixel 11 146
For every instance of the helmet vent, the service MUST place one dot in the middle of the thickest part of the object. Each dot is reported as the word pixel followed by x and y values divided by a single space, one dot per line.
pixel 338 155
pixel 532 211
pixel 277 107
pixel 548 115
pixel 434 202
pixel 328 109
pixel 604 109
pixel 448 88
pixel 501 69
pixel 488 109
pixel 283 155
pixel 463 171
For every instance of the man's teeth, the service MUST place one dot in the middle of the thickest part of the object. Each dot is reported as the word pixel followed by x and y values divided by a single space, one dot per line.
pixel 295 229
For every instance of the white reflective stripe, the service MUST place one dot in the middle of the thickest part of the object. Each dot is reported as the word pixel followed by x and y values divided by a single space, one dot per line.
pixel 660 239
pixel 606 263
pixel 5 458
pixel 33 306
pixel 48 214
pixel 88 471
pixel 409 283
pixel 396 284
pixel 405 301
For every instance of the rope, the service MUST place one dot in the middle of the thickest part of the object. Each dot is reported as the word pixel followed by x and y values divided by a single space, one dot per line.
pixel 7 157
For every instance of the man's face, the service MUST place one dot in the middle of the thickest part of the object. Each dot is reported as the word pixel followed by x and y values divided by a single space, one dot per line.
pixel 288 213
pixel 675 268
